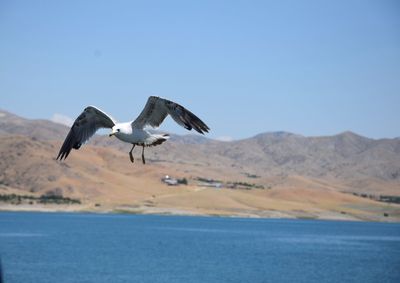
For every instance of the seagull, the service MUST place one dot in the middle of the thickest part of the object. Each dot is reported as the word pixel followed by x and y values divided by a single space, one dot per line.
pixel 134 132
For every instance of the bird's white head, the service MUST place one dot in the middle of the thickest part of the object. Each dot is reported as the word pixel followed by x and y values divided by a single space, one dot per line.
pixel 121 128
pixel 116 129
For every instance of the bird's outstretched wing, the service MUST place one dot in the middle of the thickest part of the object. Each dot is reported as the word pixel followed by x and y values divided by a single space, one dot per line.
pixel 84 127
pixel 157 109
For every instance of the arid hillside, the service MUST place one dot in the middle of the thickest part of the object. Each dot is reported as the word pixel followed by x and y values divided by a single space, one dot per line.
pixel 270 175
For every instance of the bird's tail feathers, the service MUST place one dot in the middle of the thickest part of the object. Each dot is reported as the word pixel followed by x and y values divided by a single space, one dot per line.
pixel 157 139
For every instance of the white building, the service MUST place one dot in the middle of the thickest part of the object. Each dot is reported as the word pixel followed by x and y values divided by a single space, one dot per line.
pixel 170 181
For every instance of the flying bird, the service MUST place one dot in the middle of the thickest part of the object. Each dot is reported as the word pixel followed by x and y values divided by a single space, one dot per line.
pixel 134 132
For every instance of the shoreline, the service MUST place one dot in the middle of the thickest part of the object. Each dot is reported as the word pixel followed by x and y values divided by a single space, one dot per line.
pixel 143 210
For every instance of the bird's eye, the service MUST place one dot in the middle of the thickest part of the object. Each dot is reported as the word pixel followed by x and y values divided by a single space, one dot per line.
pixel 118 130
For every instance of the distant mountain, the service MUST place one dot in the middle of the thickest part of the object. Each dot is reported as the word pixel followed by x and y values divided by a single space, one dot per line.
pixel 102 170
pixel 38 129
pixel 346 156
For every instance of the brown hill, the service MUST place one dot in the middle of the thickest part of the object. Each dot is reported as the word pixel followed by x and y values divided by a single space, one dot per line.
pixel 37 129
pixel 301 176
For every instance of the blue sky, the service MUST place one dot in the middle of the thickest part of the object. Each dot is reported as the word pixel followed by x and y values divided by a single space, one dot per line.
pixel 244 67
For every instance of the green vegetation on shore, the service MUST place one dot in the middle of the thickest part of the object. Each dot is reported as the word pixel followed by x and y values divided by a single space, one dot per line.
pixel 43 199
pixel 381 198
pixel 231 184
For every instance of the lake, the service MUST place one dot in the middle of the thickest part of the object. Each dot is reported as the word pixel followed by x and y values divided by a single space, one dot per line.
pixel 69 247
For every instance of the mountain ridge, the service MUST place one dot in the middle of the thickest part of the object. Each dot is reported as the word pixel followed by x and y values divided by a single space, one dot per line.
pixel 283 163
pixel 267 151
pixel 189 136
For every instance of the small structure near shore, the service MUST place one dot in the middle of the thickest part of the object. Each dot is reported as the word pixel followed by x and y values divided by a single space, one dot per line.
pixel 169 180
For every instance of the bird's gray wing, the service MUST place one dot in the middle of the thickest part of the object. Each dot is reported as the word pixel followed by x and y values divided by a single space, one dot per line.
pixel 157 109
pixel 84 127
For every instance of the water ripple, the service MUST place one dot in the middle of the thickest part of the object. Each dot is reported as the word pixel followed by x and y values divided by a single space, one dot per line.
pixel 22 235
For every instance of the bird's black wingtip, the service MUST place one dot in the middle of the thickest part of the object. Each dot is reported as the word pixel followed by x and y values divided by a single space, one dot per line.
pixel 62 156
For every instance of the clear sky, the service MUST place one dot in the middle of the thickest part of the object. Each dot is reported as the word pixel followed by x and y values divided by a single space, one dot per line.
pixel 244 67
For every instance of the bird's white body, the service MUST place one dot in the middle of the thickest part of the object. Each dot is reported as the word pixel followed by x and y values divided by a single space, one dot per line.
pixel 126 133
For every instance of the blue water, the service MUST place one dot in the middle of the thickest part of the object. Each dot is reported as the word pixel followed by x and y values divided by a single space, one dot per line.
pixel 41 247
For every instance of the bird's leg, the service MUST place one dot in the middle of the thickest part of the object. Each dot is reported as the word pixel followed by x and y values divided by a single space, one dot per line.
pixel 131 155
pixel 143 160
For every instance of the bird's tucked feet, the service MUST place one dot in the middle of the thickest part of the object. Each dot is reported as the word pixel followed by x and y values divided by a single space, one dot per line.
pixel 143 160
pixel 131 155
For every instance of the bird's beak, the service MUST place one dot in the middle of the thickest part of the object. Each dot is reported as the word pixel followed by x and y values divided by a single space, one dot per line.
pixel 111 134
